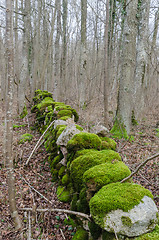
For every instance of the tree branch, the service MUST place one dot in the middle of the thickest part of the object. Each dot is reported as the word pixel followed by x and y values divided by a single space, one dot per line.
pixel 139 167
pixel 88 217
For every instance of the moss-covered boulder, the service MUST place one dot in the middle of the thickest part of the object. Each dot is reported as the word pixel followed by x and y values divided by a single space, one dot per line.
pixel 84 140
pixel 103 174
pixel 46 102
pixel 27 137
pixel 84 162
pixel 126 208
pixel 40 95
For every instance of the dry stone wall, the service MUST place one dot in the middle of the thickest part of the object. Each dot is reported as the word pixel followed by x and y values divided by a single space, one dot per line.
pixel 88 171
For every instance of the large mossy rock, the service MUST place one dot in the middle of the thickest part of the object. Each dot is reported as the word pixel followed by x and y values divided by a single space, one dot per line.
pixel 84 162
pixel 124 208
pixel 103 174
pixel 84 140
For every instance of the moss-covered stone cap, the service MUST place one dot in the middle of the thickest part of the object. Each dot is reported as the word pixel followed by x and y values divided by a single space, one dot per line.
pixel 84 140
pixel 115 196
pixel 103 174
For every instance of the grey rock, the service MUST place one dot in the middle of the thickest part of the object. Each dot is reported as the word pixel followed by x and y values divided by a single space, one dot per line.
pixel 139 220
pixel 67 134
pixel 100 130
pixel 59 122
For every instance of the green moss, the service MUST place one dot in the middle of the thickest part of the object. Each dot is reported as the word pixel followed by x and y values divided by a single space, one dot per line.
pixel 18 126
pixel 108 236
pixel 65 180
pixel 25 137
pixel 69 221
pixel 126 221
pixel 45 103
pixel 119 131
pixel 24 112
pixel 84 140
pixel 40 95
pixel 79 127
pixel 133 120
pixel 108 143
pixel 82 203
pixel 60 130
pixel 154 235
pixel 54 174
pixel 64 118
pixel 95 230
pixel 63 113
pixel 84 162
pixel 103 174
pixel 115 196
pixel 63 194
pixel 76 117
pixel 80 234
pixel 56 160
pixel 62 171
pixel 74 202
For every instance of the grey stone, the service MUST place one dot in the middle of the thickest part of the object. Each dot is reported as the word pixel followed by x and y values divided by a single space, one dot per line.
pixel 59 122
pixel 67 134
pixel 139 220
pixel 100 130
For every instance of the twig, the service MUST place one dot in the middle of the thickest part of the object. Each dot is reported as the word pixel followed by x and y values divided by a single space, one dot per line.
pixel 62 233
pixel 88 217
pixel 38 143
pixel 139 167
pixel 29 227
pixel 36 191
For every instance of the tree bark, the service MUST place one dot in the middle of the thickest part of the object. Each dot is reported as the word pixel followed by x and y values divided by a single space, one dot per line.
pixel 8 117
pixel 128 64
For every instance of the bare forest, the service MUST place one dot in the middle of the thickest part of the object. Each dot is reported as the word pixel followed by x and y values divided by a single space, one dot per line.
pixel 101 57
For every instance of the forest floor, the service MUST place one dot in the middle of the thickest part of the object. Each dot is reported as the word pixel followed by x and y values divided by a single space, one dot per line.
pixel 34 185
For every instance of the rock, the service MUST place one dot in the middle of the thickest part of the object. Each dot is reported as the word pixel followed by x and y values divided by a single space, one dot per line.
pixel 139 220
pixel 124 208
pixel 59 122
pixel 100 130
pixel 67 134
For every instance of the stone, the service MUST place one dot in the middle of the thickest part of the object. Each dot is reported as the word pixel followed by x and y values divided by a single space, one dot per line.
pixel 67 135
pixel 139 220
pixel 100 130
pixel 59 122
pixel 124 208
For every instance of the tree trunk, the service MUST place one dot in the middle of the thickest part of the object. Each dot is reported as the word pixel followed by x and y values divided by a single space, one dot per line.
pixel 142 57
pixel 106 66
pixel 128 64
pixel 8 117
pixel 83 55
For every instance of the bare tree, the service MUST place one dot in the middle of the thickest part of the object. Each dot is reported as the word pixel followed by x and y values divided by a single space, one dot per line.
pixel 8 117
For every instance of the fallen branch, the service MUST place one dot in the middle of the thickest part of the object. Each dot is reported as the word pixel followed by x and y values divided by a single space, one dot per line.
pixel 139 167
pixel 38 143
pixel 88 217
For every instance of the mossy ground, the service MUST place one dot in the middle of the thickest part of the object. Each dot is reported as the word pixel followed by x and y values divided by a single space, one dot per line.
pixel 118 130
pixel 114 196
pixel 80 234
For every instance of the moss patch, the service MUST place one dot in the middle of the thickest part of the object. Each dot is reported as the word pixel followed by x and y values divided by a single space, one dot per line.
pixel 63 194
pixel 80 234
pixel 45 103
pixel 119 131
pixel 63 113
pixel 24 112
pixel 115 196
pixel 103 174
pixel 25 137
pixel 84 140
pixel 126 221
